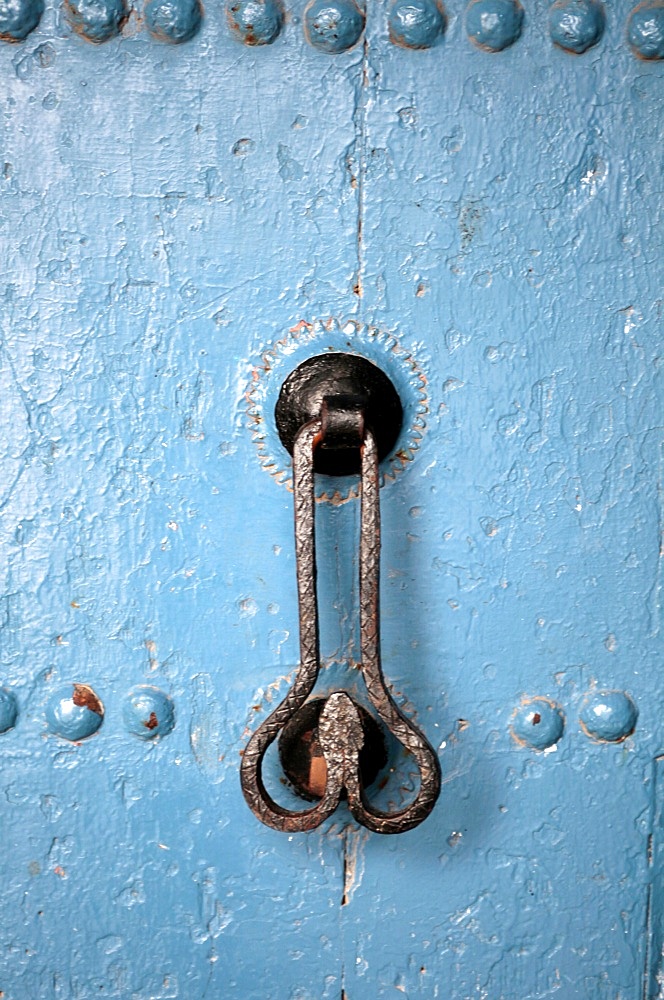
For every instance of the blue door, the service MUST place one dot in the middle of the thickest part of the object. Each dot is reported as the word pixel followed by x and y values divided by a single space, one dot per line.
pixel 193 203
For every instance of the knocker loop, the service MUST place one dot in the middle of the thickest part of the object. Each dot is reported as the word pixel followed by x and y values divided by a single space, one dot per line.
pixel 341 423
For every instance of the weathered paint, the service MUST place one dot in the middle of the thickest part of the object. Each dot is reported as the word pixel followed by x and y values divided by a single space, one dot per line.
pixel 168 214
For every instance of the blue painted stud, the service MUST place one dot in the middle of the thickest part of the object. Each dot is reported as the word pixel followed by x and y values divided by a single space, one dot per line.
pixel 538 723
pixel 576 25
pixel 148 712
pixel 255 22
pixel 18 18
pixel 8 710
pixel 415 24
pixel 333 25
pixel 173 21
pixel 96 20
pixel 493 25
pixel 74 712
pixel 608 716
pixel 645 30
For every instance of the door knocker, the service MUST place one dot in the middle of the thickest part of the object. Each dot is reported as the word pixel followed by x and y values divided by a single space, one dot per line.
pixel 339 414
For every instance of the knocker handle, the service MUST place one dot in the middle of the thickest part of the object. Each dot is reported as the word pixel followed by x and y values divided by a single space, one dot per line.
pixel 344 403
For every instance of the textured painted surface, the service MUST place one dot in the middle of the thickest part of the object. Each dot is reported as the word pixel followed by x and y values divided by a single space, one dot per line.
pixel 169 213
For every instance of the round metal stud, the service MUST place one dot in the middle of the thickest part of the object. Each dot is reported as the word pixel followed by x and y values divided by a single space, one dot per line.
pixel 8 710
pixel 255 22
pixel 333 25
pixel 18 18
pixel 96 20
pixel 415 24
pixel 538 723
pixel 336 375
pixel 645 30
pixel 608 716
pixel 74 712
pixel 493 25
pixel 148 712
pixel 173 21
pixel 576 25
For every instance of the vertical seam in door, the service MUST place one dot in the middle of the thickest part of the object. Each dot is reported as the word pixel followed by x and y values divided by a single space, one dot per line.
pixel 361 122
pixel 649 890
pixel 344 900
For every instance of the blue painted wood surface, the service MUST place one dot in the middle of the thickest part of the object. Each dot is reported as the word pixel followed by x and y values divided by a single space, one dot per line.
pixel 168 214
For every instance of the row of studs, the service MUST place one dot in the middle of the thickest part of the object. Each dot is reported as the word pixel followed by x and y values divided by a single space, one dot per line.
pixel 606 717
pixel 75 712
pixel 336 25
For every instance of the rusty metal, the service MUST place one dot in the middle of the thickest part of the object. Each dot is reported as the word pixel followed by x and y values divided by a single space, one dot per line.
pixel 340 729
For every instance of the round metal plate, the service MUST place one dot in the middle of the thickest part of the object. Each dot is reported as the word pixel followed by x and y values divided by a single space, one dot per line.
pixel 332 375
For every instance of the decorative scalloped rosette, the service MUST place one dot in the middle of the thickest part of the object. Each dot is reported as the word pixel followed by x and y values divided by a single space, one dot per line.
pixel 307 339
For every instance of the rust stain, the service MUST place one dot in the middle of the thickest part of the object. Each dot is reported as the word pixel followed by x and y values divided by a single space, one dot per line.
pixel 300 327
pixel 537 718
pixel 85 697
pixel 317 776
pixel 152 722
pixel 80 30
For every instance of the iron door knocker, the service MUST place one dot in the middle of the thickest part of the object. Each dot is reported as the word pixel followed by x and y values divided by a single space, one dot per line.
pixel 338 414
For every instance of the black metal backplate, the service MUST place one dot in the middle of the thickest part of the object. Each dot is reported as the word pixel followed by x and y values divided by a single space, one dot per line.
pixel 330 376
